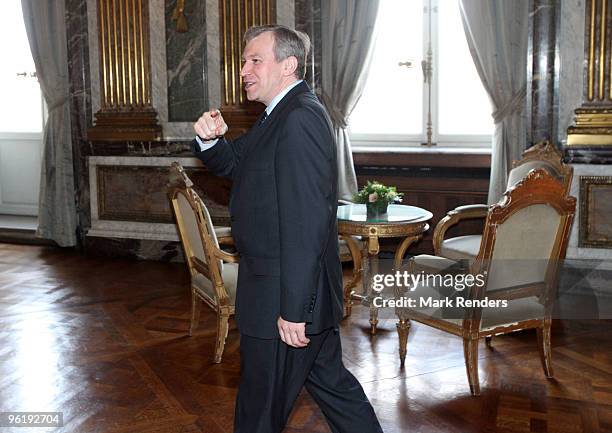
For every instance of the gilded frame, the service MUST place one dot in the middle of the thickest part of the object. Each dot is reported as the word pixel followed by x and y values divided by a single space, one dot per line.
pixel 587 238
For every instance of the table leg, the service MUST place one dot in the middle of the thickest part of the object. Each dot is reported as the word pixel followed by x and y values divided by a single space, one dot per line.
pixel 401 250
pixel 357 272
pixel 373 267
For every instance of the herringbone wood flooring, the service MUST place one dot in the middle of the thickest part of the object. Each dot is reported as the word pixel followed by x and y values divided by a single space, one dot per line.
pixel 104 342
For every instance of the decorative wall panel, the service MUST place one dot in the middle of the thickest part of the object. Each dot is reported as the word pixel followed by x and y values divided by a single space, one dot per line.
pixel 590 243
pixel 593 120
pixel 126 111
pixel 128 196
pixel 186 62
pixel 595 211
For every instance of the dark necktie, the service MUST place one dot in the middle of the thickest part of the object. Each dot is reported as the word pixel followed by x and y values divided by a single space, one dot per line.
pixel 263 117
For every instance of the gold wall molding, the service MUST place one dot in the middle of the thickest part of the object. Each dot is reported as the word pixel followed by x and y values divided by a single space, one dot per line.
pixel 593 120
pixel 235 17
pixel 126 112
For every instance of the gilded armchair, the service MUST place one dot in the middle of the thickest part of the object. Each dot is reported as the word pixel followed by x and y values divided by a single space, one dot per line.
pixel 524 240
pixel 214 272
pixel 542 155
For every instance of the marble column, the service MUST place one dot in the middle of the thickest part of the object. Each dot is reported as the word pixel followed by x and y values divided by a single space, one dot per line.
pixel 308 20
pixel 542 75
pixel 80 103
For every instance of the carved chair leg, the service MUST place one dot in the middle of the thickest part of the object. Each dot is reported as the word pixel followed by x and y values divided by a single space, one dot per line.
pixel 403 328
pixel 222 329
pixel 545 349
pixel 470 352
pixel 373 319
pixel 195 312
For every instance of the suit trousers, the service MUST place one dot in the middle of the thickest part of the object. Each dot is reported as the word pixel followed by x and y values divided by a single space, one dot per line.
pixel 273 374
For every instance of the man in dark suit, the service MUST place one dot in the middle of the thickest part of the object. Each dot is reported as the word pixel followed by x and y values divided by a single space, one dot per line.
pixel 283 213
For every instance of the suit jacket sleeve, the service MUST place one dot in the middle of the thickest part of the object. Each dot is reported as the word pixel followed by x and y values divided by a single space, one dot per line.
pixel 304 184
pixel 223 158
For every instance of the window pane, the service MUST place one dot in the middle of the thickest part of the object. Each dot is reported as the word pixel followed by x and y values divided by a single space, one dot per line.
pixel 20 105
pixel 393 96
pixel 464 106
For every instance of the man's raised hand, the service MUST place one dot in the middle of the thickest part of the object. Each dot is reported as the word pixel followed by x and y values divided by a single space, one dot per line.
pixel 210 125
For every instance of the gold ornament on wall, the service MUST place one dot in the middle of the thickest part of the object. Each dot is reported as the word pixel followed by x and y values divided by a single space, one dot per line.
pixel 178 15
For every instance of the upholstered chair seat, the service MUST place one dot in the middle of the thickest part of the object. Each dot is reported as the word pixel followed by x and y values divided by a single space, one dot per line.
pixel 461 247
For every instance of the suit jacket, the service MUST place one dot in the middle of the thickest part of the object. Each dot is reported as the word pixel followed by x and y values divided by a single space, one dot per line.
pixel 283 210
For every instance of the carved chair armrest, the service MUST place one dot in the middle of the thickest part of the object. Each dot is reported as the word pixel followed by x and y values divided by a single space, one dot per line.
pixel 222 297
pixel 455 216
pixel 227 257
pixel 471 210
pixel 225 240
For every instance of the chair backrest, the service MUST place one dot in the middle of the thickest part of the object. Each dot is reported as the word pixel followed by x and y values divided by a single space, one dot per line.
pixel 525 238
pixel 542 155
pixel 194 224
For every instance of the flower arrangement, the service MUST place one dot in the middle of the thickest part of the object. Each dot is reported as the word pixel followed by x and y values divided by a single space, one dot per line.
pixel 377 197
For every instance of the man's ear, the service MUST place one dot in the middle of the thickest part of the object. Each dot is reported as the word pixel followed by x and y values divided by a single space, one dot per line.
pixel 290 66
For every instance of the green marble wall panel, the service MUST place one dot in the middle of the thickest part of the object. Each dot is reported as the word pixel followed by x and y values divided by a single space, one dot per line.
pixel 186 62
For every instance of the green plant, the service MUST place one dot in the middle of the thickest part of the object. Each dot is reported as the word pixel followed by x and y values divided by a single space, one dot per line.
pixel 377 195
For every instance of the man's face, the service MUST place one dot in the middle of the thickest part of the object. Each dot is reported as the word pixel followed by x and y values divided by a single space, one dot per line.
pixel 262 75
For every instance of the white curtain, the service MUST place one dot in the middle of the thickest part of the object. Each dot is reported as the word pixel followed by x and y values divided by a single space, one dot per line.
pixel 46 29
pixel 347 35
pixel 496 32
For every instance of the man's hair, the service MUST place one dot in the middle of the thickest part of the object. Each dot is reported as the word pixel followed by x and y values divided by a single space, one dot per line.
pixel 287 43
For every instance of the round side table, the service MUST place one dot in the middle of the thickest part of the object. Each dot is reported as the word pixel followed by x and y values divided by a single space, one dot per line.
pixel 400 221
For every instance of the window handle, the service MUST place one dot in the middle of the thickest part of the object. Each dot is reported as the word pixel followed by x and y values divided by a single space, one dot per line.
pixel 27 74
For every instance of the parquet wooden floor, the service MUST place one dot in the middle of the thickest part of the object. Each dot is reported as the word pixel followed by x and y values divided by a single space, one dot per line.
pixel 104 342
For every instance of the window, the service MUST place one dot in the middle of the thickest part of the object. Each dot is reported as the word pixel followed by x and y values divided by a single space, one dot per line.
pixel 22 116
pixel 21 105
pixel 393 109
